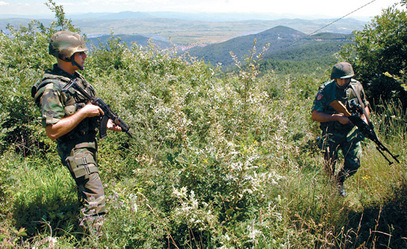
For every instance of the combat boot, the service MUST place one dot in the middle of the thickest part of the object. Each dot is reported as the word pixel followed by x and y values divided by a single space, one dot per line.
pixel 340 179
pixel 94 225
pixel 341 188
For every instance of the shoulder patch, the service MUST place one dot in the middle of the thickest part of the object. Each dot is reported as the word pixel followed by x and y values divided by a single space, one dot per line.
pixel 319 96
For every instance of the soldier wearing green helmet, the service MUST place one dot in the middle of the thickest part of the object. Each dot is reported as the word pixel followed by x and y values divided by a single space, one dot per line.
pixel 70 120
pixel 343 70
pixel 65 44
pixel 338 133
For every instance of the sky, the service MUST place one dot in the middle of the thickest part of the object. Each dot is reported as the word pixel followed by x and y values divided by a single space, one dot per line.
pixel 294 8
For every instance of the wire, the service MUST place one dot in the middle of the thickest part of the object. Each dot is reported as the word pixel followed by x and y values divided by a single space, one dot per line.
pixel 337 20
pixel 329 24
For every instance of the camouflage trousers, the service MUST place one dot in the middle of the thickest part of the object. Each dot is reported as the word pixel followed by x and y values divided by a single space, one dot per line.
pixel 350 146
pixel 82 165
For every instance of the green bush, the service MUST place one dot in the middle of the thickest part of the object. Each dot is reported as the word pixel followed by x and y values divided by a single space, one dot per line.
pixel 378 54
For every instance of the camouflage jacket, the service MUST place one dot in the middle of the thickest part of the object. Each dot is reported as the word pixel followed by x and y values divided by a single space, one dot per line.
pixel 329 92
pixel 55 104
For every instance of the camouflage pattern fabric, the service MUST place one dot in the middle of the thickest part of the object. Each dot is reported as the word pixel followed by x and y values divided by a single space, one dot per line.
pixel 329 92
pixel 83 167
pixel 53 103
pixel 78 148
pixel 336 136
pixel 351 149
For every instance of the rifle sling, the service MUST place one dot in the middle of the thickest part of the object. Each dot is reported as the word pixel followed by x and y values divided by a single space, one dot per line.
pixel 361 102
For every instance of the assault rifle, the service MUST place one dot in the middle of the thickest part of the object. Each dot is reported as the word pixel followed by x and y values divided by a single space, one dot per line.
pixel 108 113
pixel 367 130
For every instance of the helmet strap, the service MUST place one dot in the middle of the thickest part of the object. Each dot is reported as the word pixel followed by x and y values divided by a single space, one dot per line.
pixel 341 87
pixel 74 63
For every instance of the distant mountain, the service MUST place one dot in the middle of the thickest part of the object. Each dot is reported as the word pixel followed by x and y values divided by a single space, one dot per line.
pixel 196 16
pixel 112 16
pixel 284 44
pixel 205 17
pixel 17 22
pixel 186 32
pixel 279 37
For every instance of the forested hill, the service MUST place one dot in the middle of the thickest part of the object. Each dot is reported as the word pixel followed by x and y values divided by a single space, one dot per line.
pixel 284 44
pixel 288 48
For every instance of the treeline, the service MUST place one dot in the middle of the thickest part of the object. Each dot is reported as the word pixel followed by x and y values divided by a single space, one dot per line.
pixel 307 59
pixel 378 53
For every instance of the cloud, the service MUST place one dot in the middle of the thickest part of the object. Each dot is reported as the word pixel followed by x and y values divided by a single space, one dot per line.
pixel 2 3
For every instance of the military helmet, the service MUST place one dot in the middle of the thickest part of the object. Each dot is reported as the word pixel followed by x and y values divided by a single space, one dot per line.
pixel 342 70
pixel 64 44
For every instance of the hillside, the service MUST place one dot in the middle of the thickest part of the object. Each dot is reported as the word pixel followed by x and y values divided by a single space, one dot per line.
pixel 284 44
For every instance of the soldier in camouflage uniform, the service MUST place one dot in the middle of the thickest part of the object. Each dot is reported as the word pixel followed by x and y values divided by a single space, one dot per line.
pixel 338 133
pixel 70 120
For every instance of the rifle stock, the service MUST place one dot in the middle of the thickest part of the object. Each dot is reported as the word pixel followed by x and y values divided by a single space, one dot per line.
pixel 364 128
pixel 339 107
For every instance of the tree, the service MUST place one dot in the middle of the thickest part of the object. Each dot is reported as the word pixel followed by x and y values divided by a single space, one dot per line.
pixel 379 56
pixel 23 59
